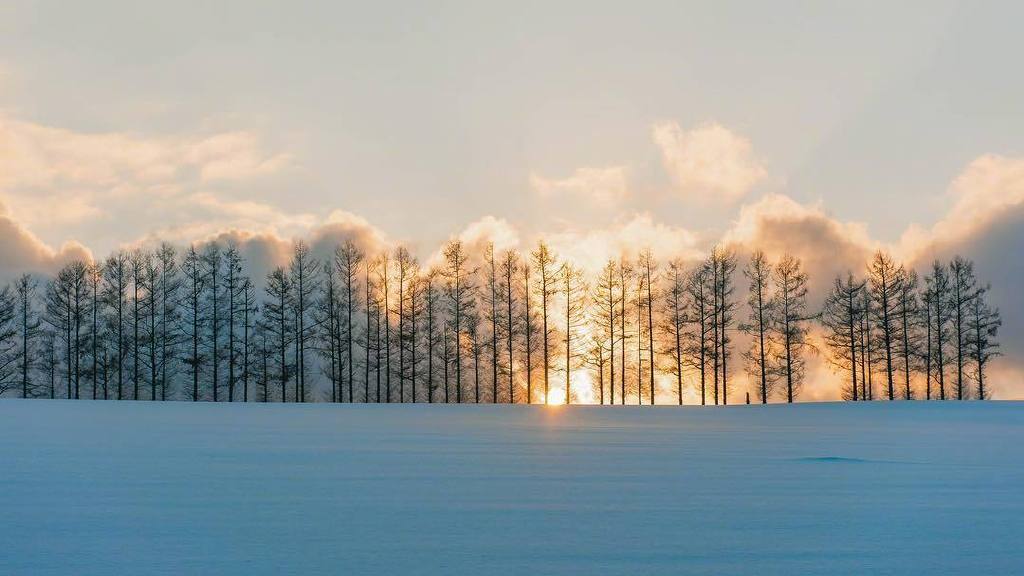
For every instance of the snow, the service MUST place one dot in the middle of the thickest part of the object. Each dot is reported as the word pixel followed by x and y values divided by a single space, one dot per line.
pixel 178 488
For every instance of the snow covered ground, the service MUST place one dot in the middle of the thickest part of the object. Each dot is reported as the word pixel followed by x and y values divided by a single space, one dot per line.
pixel 176 488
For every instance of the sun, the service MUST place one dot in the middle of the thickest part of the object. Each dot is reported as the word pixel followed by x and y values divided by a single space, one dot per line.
pixel 582 390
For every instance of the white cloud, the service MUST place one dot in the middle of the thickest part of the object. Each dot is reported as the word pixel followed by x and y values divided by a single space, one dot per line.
pixel 53 179
pixel 605 186
pixel 708 162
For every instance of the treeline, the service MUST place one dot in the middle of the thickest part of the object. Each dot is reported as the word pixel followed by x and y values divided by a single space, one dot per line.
pixel 505 327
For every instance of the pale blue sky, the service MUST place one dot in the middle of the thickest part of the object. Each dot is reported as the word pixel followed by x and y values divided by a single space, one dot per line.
pixel 425 116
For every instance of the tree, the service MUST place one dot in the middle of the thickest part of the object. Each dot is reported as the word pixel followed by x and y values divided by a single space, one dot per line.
pixel 907 314
pixel 491 309
pixel 433 333
pixel 983 324
pixel 509 268
pixel 648 266
pixel 674 323
pixel 574 290
pixel 625 278
pixel 234 281
pixel 28 332
pixel 94 274
pixel 326 317
pixel 213 262
pixel 116 277
pixel 884 279
pixel 9 349
pixel 304 279
pixel 938 294
pixel 347 259
pixel 604 300
pixel 722 264
pixel 170 285
pixel 700 345
pixel 964 289
pixel 277 323
pixel 408 271
pixel 841 317
pixel 791 321
pixel 758 326
pixel 545 261
pixel 195 315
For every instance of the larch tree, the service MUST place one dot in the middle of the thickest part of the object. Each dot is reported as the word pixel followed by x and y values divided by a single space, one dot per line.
pixel 233 282
pixel 700 346
pixel 277 310
pixel 9 348
pixel 673 325
pixel 758 326
pixel 791 321
pixel 626 274
pixel 574 291
pixel 115 294
pixel 604 303
pixel 841 317
pixel 983 323
pixel 648 267
pixel 545 264
pixel 909 336
pixel 347 259
pixel 431 309
pixel 170 285
pixel 884 280
pixel 489 301
pixel 938 291
pixel 29 330
pixel 304 276
pixel 962 292
pixel 459 290
pixel 213 262
pixel 195 318
pixel 507 292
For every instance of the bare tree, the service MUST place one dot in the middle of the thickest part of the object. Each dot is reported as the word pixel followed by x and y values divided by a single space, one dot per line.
pixel 304 272
pixel 28 332
pixel 213 262
pixel 841 316
pixel 791 321
pixel 116 277
pixel 509 270
pixel 674 324
pixel 983 323
pixel 938 294
pixel 700 345
pixel 648 267
pixel 964 289
pixel 884 279
pixel 277 322
pixel 347 259
pixel 907 314
pixel 759 325
pixel 574 290
pixel 9 350
pixel 195 312
pixel 545 262
pixel 604 300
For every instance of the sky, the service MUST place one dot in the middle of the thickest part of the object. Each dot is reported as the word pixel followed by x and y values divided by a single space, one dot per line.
pixel 826 129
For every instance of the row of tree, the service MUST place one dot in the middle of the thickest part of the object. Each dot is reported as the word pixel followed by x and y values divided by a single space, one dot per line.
pixel 490 327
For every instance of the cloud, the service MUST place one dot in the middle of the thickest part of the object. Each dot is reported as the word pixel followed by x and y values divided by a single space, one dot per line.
pixel 590 249
pixel 604 186
pixel 777 225
pixel 54 179
pixel 21 251
pixel 708 162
